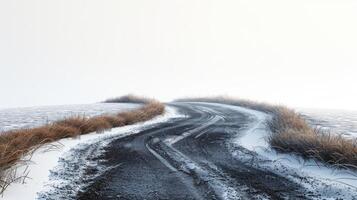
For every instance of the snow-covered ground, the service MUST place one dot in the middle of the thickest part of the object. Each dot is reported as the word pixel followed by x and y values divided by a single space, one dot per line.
pixel 15 118
pixel 43 161
pixel 323 182
pixel 337 121
pixel 330 183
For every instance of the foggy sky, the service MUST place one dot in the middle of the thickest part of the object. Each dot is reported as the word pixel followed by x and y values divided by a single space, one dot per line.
pixel 299 53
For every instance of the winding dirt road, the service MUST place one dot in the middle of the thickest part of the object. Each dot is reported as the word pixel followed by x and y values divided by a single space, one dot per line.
pixel 187 158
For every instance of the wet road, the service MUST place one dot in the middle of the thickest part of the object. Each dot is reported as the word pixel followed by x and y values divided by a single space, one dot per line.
pixel 186 158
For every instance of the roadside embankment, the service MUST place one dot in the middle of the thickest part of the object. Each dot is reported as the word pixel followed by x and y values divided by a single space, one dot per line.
pixel 290 133
pixel 18 144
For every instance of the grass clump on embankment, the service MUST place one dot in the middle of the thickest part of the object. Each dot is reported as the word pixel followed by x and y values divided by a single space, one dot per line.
pixel 14 145
pixel 130 98
pixel 290 133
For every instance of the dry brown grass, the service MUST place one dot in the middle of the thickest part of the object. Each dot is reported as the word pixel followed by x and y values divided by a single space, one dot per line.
pixel 130 98
pixel 292 134
pixel 14 145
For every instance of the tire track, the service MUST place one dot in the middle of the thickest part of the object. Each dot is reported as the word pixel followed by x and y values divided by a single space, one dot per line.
pixel 187 159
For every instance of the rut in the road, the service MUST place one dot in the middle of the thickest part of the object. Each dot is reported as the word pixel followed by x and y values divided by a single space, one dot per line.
pixel 186 158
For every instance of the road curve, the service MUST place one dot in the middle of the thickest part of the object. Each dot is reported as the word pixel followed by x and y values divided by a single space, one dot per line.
pixel 186 158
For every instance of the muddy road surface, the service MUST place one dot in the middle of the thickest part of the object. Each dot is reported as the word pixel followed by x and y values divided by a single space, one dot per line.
pixel 185 158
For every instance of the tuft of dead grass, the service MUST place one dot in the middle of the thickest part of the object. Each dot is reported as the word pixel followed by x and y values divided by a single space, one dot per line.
pixel 292 134
pixel 130 98
pixel 14 145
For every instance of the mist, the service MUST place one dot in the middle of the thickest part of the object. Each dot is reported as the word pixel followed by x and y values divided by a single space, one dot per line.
pixel 297 53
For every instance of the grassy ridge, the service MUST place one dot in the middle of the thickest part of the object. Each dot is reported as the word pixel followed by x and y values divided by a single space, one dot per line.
pixel 292 134
pixel 16 144
pixel 130 98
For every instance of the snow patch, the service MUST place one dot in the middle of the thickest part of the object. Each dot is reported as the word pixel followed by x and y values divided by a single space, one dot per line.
pixel 174 139
pixel 339 122
pixel 17 118
pixel 43 161
pixel 325 182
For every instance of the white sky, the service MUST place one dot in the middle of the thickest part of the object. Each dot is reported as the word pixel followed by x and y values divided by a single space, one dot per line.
pixel 294 52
